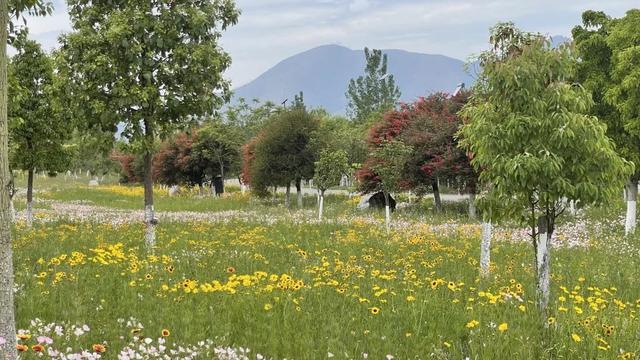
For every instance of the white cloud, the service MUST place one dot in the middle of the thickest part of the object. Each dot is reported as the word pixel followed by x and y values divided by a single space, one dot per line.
pixel 271 30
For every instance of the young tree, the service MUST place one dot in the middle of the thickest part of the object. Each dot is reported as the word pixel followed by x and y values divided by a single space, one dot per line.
pixel 330 168
pixel 530 134
pixel 375 92
pixel 37 131
pixel 595 72
pixel 284 151
pixel 217 149
pixel 620 88
pixel 152 65
pixel 390 160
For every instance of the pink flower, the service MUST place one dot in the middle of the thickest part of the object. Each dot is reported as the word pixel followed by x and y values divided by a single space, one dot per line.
pixel 44 340
pixel 2 341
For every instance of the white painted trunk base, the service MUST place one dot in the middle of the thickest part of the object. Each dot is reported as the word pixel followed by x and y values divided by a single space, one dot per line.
pixel 472 206
pixel 485 248
pixel 150 227
pixel 321 207
pixel 387 217
pixel 630 221
pixel 29 215
pixel 543 259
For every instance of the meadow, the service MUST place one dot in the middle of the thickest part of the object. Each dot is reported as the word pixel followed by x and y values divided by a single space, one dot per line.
pixel 241 278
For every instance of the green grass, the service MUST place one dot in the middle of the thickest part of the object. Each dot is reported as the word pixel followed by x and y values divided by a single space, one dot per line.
pixel 192 284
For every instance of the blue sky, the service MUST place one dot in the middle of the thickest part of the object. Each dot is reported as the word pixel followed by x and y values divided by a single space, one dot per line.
pixel 271 30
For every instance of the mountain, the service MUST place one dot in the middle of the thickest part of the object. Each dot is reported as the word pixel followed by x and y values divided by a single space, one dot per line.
pixel 323 74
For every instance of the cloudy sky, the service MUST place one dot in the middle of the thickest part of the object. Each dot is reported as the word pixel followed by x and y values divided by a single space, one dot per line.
pixel 271 30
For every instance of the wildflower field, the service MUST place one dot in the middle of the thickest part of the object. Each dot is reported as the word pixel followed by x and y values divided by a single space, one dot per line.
pixel 239 278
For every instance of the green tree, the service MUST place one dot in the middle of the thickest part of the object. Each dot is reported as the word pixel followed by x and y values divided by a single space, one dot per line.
pixel 594 71
pixel 37 131
pixel 153 66
pixel 375 92
pixel 617 75
pixel 389 161
pixel 329 169
pixel 16 9
pixel 250 118
pixel 218 149
pixel 530 133
pixel 284 151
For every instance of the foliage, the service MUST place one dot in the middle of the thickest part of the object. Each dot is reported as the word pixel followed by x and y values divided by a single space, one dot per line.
pixel 284 151
pixel 374 92
pixel 329 169
pixel 530 134
pixel 623 40
pixel 594 72
pixel 217 149
pixel 429 126
pixel 38 131
pixel 389 162
pixel 250 118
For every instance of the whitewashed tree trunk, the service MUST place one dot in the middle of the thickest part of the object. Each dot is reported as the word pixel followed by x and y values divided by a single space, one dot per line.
pixel 243 188
pixel 472 206
pixel 321 205
pixel 7 310
pixel 485 248
pixel 573 209
pixel 149 213
pixel 150 226
pixel 631 190
pixel 299 193
pixel 287 196
pixel 387 212
pixel 543 260
pixel 12 211
pixel 30 199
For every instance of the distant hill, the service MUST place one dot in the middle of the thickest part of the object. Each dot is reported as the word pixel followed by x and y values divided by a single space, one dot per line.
pixel 323 74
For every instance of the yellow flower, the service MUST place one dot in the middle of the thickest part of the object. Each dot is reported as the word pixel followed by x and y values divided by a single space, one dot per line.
pixel 473 323
pixel 165 333
pixel 268 307
pixel 522 308
pixel 411 298
pixel 375 310
pixel 551 320
pixel 447 344
pixel 503 327
pixel 576 337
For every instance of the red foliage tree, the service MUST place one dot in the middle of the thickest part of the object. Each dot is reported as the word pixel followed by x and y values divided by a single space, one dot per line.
pixel 429 125
pixel 128 171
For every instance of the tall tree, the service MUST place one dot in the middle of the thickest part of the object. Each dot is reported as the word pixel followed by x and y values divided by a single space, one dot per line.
pixel 622 91
pixel 375 92
pixel 152 65
pixel 595 72
pixel 37 131
pixel 530 133
pixel 17 9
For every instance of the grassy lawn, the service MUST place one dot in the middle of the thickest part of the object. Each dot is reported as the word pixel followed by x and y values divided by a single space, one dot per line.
pixel 308 291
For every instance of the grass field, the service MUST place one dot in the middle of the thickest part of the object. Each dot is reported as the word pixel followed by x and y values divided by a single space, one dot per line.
pixel 286 286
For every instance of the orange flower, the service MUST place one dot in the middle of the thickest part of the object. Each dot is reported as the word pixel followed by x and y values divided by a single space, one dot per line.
pixel 99 348
pixel 24 336
pixel 22 348
pixel 37 348
pixel 165 332
pixel 231 269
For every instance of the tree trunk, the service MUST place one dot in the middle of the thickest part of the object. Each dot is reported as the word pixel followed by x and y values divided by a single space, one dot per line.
pixel 299 192
pixel 387 212
pixel 485 248
pixel 7 310
pixel 321 205
pixel 543 262
pixel 436 195
pixel 631 190
pixel 30 199
pixel 287 196
pixel 222 174
pixel 472 205
pixel 149 212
